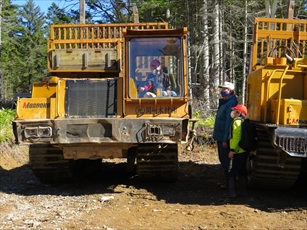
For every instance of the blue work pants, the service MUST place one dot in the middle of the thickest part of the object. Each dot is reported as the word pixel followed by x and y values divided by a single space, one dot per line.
pixel 223 156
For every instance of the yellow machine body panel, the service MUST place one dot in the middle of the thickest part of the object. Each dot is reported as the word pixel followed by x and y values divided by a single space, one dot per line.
pixel 159 108
pixel 44 90
pixel 274 83
pixel 36 108
pixel 84 59
pixel 292 112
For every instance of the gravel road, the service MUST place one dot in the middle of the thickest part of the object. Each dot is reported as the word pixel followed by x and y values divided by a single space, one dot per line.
pixel 109 198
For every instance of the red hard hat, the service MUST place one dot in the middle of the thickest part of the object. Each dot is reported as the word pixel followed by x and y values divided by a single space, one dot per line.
pixel 241 108
pixel 155 63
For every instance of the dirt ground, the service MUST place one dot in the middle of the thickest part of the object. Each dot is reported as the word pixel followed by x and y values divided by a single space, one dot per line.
pixel 110 199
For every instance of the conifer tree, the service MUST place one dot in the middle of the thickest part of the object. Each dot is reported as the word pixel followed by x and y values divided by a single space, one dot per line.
pixel 31 64
pixel 57 15
pixel 9 25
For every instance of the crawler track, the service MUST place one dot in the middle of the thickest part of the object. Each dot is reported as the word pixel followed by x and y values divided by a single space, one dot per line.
pixel 48 164
pixel 264 171
pixel 157 162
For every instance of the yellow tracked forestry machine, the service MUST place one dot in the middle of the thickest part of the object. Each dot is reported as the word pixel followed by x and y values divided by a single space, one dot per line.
pixel 90 108
pixel 277 102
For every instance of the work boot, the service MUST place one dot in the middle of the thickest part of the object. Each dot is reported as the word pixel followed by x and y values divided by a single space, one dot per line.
pixel 243 186
pixel 231 188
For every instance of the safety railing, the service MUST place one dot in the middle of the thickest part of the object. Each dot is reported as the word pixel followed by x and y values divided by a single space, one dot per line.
pixel 275 37
pixel 93 36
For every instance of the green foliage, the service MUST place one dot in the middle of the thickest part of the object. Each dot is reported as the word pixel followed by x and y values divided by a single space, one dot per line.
pixel 152 11
pixel 207 122
pixel 9 25
pixel 6 118
pixel 56 15
pixel 23 54
pixel 111 11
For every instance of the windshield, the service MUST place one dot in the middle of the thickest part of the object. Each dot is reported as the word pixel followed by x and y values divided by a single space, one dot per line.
pixel 155 67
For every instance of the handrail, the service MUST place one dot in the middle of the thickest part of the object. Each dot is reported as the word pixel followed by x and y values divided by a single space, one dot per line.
pixel 279 94
pixel 267 90
pixel 93 35
pixel 270 33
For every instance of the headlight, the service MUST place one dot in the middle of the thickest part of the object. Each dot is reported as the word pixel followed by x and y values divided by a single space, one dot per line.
pixel 161 130
pixel 38 132
pixel 155 130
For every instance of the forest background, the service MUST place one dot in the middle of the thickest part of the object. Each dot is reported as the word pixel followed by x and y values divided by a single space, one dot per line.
pixel 220 35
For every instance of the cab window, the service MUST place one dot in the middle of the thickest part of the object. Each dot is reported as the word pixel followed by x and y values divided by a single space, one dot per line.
pixel 155 68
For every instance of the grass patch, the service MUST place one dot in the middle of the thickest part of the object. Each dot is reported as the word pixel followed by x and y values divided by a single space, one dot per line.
pixel 6 118
pixel 207 122
pixel 204 129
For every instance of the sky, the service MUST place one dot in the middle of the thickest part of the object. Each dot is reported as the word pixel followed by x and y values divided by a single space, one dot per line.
pixel 44 4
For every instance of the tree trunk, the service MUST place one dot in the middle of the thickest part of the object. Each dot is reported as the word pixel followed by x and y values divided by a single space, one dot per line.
pixel 215 78
pixel 206 61
pixel 271 10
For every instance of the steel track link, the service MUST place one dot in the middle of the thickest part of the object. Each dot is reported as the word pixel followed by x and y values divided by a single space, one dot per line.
pixel 264 171
pixel 48 164
pixel 157 162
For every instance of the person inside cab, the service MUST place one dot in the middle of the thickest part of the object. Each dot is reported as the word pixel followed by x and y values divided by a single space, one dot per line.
pixel 158 82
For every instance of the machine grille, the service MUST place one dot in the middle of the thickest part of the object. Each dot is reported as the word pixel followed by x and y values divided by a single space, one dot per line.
pixel 292 140
pixel 292 145
pixel 89 98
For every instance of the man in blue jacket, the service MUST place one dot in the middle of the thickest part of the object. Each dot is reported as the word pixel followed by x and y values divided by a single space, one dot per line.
pixel 222 126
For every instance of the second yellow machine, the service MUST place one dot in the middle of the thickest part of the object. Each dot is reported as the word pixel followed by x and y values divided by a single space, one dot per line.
pixel 277 102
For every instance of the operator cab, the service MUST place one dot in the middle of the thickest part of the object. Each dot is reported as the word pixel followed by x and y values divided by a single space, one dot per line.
pixel 155 67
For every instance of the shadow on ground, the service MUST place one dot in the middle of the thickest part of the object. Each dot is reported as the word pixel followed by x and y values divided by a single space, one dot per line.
pixel 196 184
